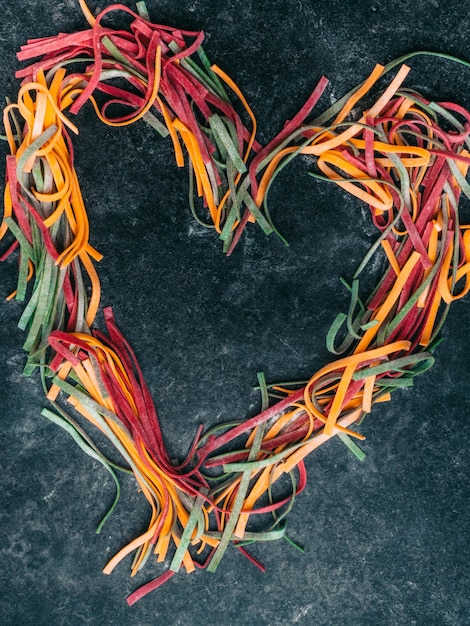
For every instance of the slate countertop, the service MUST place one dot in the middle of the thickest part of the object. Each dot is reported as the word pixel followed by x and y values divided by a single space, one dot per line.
pixel 387 540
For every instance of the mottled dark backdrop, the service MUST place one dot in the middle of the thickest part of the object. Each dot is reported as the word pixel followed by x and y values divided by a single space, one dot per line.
pixel 386 541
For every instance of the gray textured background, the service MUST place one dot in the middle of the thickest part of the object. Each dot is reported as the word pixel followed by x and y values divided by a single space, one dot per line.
pixel 386 541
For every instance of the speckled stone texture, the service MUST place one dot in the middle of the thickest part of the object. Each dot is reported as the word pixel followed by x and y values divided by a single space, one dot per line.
pixel 387 540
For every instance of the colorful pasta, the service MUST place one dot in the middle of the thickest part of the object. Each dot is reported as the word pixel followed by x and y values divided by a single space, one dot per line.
pixel 404 156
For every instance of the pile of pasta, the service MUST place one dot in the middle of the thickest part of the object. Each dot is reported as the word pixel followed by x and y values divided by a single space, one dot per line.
pixel 403 155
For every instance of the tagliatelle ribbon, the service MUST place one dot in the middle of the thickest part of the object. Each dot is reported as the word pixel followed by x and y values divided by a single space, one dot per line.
pixel 395 156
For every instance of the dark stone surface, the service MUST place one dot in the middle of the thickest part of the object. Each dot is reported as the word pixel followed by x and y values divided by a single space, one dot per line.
pixel 386 541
